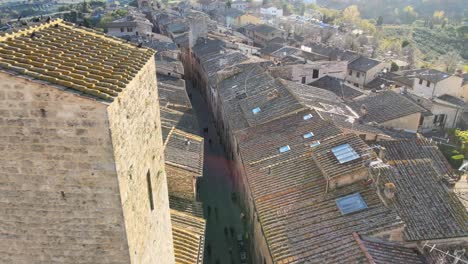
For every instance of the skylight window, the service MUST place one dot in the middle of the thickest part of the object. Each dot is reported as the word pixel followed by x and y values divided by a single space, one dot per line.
pixel 351 203
pixel 314 144
pixel 284 149
pixel 256 110
pixel 345 153
pixel 308 135
pixel 307 117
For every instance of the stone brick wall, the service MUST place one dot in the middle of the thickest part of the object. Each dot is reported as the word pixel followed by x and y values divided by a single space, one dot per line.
pixel 138 148
pixel 59 194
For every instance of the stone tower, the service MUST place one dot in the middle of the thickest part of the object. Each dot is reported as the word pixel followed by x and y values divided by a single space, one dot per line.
pixel 81 153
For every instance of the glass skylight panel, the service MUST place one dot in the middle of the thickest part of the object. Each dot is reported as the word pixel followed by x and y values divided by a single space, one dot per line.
pixel 351 203
pixel 345 153
pixel 256 110
pixel 284 149
pixel 314 144
pixel 307 117
pixel 308 135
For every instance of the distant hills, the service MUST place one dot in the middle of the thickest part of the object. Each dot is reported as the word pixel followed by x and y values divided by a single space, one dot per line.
pixel 392 10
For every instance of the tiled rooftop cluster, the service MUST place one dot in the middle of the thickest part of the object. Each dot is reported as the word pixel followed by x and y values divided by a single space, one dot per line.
pixel 429 210
pixel 300 220
pixel 73 57
pixel 294 139
pixel 385 106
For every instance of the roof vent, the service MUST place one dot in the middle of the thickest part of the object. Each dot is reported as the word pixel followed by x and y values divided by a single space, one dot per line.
pixel 256 110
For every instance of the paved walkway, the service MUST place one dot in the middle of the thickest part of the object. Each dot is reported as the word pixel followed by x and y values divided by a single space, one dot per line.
pixel 215 192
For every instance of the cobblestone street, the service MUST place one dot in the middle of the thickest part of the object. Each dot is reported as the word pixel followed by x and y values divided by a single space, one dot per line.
pixel 221 211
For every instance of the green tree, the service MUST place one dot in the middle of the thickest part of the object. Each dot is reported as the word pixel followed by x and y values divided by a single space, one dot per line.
pixel 394 67
pixel 367 26
pixel 380 21
pixel 451 61
pixel 86 23
pixel 404 43
pixel 85 7
pixel 351 14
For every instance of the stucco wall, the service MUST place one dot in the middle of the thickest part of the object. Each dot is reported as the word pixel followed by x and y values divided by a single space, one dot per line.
pixel 141 28
pixel 59 192
pixel 451 118
pixel 138 148
pixel 452 86
pixel 409 122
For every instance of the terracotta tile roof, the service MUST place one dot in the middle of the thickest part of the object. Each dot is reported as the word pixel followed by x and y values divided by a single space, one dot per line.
pixel 173 96
pixel 74 57
pixel 385 106
pixel 184 150
pixel 188 233
pixel 416 149
pixel 302 223
pixel 384 252
pixel 429 210
pixel 181 120
pixel 319 99
pixel 250 87
pixel 363 64
pixel 274 103
pixel 330 165
pixel 333 84
pixel 186 206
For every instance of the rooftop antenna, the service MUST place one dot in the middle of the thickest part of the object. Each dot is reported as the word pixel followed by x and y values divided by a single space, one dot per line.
pixel 456 258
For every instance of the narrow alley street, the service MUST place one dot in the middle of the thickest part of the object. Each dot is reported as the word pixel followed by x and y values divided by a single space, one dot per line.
pixel 221 210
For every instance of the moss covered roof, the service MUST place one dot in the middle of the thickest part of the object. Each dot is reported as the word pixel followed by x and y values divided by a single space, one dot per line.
pixel 74 57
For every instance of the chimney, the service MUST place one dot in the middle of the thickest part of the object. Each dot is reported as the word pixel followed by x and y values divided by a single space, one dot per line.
pixel 382 152
pixel 389 190
pixel 363 110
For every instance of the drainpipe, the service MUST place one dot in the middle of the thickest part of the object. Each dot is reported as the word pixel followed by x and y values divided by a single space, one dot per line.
pixel 456 117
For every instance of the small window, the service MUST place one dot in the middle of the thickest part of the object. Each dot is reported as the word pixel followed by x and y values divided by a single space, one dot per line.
pixel 428 84
pixel 129 29
pixel 256 110
pixel 308 135
pixel 150 190
pixel 314 144
pixel 358 74
pixel 315 74
pixel 284 149
pixel 307 117
pixel 350 73
pixel 122 29
pixel 420 81
pixel 303 80
pixel 351 203
pixel 356 84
